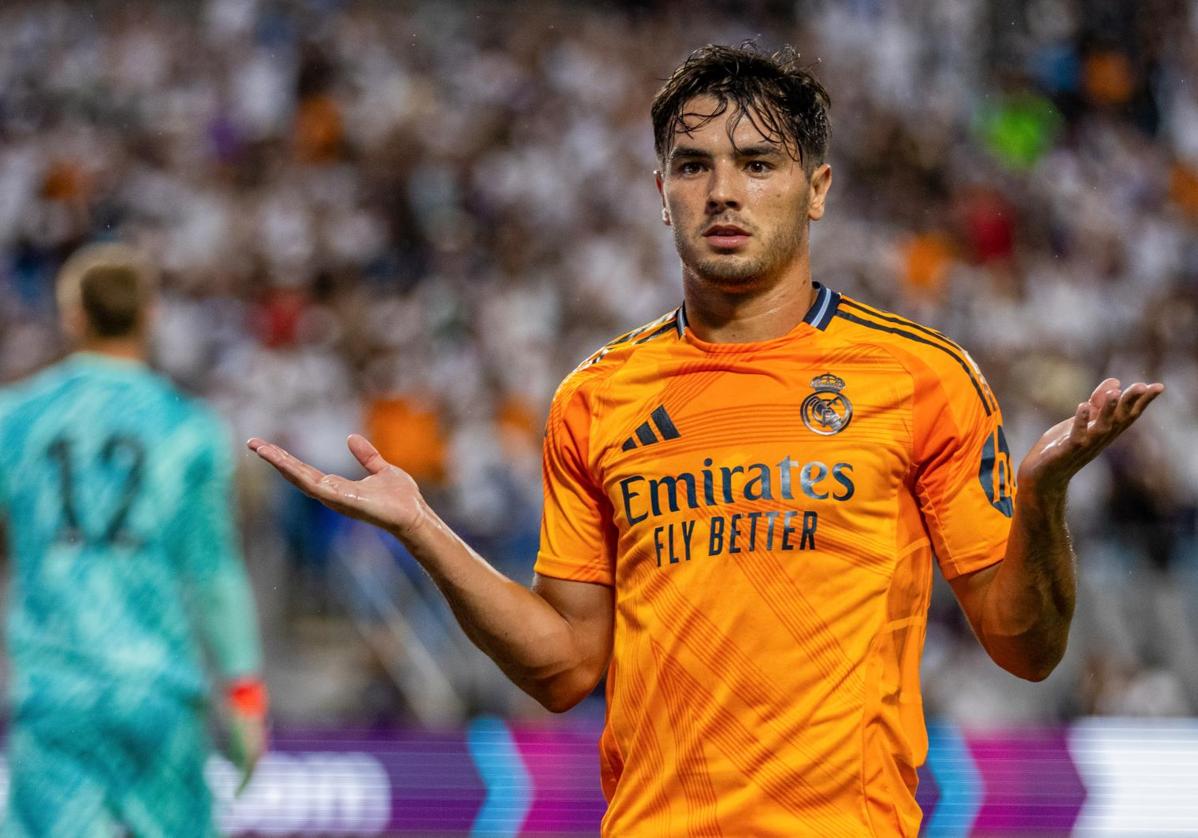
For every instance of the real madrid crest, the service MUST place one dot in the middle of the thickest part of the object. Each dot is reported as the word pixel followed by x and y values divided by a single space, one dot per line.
pixel 826 411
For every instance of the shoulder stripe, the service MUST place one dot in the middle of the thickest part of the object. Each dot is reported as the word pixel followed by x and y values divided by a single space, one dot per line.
pixel 911 324
pixel 660 326
pixel 902 321
pixel 665 327
pixel 912 336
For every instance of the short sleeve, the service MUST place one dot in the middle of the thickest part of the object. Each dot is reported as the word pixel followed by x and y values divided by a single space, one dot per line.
pixel 576 525
pixel 965 482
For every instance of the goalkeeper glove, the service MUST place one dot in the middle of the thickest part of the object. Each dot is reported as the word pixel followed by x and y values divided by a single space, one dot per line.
pixel 247 702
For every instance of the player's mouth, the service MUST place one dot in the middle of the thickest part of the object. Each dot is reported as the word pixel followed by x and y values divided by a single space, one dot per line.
pixel 725 236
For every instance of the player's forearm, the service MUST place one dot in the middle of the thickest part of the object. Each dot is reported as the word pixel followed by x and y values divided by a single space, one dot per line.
pixel 527 638
pixel 1029 605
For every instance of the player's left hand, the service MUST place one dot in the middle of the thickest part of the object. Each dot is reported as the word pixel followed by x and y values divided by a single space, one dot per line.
pixel 1069 445
pixel 247 744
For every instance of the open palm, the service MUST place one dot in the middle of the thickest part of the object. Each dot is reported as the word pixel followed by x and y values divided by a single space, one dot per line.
pixel 1069 445
pixel 387 497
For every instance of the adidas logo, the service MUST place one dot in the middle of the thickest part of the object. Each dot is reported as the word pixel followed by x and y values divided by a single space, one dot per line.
pixel 665 426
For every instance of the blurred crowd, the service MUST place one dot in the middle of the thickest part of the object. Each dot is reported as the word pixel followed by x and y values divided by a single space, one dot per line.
pixel 414 218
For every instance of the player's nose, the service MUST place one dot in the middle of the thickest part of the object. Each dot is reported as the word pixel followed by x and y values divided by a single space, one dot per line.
pixel 723 191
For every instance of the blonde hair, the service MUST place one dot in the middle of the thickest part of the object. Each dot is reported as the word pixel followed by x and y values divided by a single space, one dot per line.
pixel 112 284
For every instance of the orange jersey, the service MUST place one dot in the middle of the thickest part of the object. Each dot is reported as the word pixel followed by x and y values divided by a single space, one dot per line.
pixel 768 515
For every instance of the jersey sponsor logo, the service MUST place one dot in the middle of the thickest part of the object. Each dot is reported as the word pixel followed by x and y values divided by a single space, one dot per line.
pixel 827 411
pixel 784 528
pixel 741 532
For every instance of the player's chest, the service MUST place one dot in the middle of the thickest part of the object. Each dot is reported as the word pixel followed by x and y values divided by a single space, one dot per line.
pixel 747 456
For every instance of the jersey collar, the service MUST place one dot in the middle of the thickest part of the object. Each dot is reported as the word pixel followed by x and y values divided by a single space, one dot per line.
pixel 819 315
pixel 825 305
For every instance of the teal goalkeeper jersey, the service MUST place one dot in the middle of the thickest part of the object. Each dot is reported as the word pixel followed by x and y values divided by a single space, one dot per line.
pixel 116 491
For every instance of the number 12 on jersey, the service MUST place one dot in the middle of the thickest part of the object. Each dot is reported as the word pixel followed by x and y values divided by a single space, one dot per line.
pixel 117 451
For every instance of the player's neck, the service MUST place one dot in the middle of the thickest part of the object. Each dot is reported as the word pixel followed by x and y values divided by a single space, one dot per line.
pixel 717 316
pixel 124 349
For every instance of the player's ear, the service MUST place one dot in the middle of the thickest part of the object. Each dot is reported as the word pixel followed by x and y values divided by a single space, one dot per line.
pixel 818 184
pixel 661 192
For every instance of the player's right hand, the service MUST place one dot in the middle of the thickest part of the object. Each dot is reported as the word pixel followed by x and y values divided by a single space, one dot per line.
pixel 387 497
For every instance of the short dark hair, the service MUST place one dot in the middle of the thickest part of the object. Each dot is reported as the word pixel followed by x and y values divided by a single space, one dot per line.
pixel 112 284
pixel 773 91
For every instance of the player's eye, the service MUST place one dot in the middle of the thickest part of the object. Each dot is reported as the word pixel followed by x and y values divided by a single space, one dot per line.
pixel 690 167
pixel 758 167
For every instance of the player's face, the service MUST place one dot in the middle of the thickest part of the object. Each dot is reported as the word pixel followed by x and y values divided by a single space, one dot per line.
pixel 738 202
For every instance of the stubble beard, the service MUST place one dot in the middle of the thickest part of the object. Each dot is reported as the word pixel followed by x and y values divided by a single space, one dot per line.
pixel 736 273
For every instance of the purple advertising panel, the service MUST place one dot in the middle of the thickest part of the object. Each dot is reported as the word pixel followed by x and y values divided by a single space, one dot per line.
pixel 489 779
pixel 1029 782
pixel 496 779
pixel 564 768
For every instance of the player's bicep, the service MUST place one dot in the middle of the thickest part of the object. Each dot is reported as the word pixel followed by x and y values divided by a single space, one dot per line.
pixel 589 608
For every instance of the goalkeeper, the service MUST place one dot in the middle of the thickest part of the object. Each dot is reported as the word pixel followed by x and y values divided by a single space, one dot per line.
pixel 114 491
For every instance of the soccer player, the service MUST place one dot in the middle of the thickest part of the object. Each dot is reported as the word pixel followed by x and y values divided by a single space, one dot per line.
pixel 115 490
pixel 745 500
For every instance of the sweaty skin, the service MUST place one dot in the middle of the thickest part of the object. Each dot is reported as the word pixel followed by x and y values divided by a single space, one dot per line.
pixel 761 287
